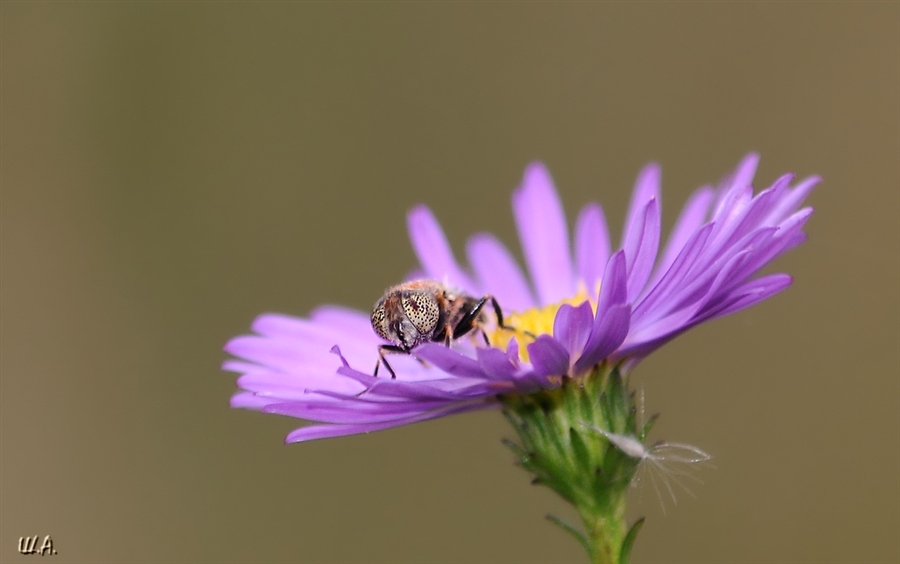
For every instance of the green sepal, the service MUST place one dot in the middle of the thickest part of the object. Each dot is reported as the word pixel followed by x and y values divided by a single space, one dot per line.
pixel 579 448
pixel 648 424
pixel 628 543
pixel 579 536
pixel 560 445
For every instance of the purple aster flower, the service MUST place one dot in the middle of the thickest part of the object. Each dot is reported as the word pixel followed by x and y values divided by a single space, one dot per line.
pixel 573 310
pixel 557 364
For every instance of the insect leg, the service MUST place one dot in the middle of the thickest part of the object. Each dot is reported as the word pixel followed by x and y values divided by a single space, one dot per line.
pixel 467 321
pixel 381 360
pixel 443 335
pixel 499 313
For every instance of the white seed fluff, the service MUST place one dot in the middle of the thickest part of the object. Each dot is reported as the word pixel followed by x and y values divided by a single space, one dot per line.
pixel 668 462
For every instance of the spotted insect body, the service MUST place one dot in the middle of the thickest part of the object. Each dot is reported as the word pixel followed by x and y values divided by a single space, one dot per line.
pixel 425 311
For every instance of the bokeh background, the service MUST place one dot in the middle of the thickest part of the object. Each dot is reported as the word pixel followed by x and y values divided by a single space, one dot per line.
pixel 171 170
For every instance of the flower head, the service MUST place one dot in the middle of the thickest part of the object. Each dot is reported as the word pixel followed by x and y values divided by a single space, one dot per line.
pixel 571 312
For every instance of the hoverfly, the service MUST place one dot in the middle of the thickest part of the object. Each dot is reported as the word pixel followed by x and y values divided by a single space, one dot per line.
pixel 425 311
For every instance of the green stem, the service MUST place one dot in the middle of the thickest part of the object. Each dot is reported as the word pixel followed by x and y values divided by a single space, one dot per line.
pixel 605 534
pixel 560 445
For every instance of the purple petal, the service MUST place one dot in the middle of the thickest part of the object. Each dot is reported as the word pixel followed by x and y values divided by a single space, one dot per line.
pixel 767 243
pixel 725 222
pixel 796 221
pixel 325 431
pixel 531 382
pixel 436 384
pixel 750 217
pixel 606 337
pixel 704 287
pixel 746 170
pixel 289 387
pixel 313 334
pixel 646 188
pixel 496 364
pixel 768 249
pixel 447 390
pixel 544 235
pixel 756 293
pixel 740 179
pixel 239 366
pixel 450 361
pixel 692 217
pixel 703 276
pixel 572 326
pixel 750 294
pixel 591 245
pixel 731 205
pixel 512 351
pixel 279 354
pixel 658 329
pixel 279 325
pixel 498 272
pixel 249 400
pixel 611 322
pixel 689 301
pixel 307 360
pixel 641 245
pixel 415 274
pixel 548 356
pixel 793 240
pixel 343 319
pixel 303 338
pixel 652 305
pixel 788 203
pixel 434 251
pixel 350 411
pixel 614 288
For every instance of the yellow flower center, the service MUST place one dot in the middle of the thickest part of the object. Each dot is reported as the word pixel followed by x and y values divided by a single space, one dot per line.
pixel 527 325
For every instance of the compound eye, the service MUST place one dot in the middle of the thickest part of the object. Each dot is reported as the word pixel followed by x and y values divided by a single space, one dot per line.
pixel 378 321
pixel 422 310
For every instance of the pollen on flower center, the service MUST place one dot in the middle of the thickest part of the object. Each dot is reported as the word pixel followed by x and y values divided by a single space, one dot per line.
pixel 527 325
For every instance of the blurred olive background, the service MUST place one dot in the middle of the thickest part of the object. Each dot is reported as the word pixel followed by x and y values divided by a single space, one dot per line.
pixel 171 170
